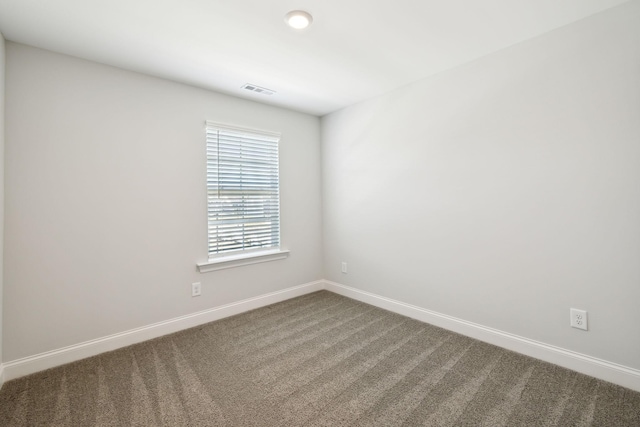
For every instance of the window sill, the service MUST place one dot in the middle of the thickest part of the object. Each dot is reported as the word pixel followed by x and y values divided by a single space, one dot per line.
pixel 240 260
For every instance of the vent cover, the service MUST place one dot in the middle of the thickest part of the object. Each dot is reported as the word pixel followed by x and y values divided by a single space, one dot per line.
pixel 258 89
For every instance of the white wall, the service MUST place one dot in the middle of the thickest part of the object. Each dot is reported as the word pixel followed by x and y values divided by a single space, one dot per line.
pixel 2 67
pixel 503 192
pixel 105 201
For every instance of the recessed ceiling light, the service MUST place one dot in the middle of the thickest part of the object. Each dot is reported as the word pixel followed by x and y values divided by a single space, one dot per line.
pixel 298 19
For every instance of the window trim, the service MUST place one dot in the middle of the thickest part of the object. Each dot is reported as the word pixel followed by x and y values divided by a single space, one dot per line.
pixel 238 260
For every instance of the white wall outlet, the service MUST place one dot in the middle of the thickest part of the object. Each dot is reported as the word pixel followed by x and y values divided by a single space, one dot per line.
pixel 579 319
pixel 344 267
pixel 196 289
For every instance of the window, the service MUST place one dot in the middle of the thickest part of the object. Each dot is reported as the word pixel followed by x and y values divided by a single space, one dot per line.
pixel 243 204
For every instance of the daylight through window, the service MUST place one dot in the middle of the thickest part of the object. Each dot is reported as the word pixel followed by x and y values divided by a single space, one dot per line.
pixel 243 201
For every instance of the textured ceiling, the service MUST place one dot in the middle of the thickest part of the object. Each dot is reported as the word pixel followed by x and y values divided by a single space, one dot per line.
pixel 354 50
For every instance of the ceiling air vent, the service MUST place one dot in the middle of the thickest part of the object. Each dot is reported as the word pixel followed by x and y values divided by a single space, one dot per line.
pixel 258 89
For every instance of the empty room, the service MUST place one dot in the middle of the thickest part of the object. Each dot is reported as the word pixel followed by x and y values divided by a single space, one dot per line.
pixel 319 213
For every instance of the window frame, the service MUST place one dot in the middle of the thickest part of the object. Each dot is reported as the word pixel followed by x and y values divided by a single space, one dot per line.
pixel 244 256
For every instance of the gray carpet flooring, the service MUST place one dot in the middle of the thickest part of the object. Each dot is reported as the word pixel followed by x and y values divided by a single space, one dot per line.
pixel 317 360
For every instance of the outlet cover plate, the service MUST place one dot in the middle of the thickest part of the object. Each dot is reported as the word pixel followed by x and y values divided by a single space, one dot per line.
pixel 579 319
pixel 196 289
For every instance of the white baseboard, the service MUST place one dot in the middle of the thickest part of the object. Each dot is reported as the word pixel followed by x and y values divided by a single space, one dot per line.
pixel 29 365
pixel 601 369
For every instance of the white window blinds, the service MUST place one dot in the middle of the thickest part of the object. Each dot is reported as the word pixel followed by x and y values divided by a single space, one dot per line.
pixel 243 201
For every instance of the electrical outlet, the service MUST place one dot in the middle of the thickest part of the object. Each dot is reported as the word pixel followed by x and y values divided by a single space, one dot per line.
pixel 344 267
pixel 196 289
pixel 579 319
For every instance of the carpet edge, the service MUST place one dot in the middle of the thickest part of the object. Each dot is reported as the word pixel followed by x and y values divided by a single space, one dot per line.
pixel 50 359
pixel 585 364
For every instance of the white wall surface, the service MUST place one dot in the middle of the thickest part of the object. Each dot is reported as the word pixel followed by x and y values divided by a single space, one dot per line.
pixel 503 192
pixel 105 201
pixel 2 68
